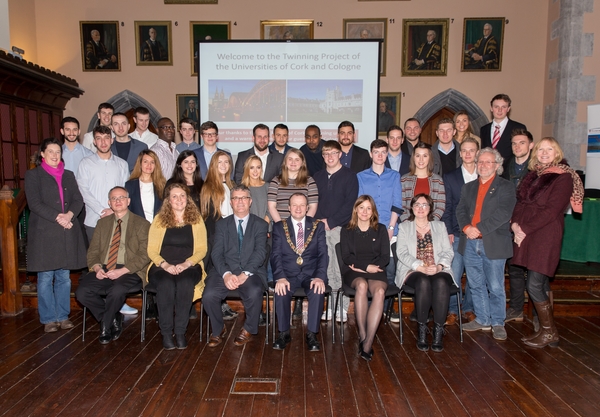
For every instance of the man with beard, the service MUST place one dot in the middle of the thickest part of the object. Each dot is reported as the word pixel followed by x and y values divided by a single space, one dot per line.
pixel 397 159
pixel 165 147
pixel 280 139
pixel 271 160
pixel 313 144
pixel 412 131
pixel 73 151
pixel 353 157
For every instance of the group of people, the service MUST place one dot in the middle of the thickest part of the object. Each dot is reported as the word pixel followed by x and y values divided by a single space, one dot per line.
pixel 275 217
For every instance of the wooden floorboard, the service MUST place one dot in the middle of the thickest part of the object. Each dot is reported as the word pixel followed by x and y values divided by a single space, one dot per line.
pixel 58 374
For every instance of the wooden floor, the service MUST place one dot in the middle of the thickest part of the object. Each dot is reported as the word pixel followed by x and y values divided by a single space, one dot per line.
pixel 58 374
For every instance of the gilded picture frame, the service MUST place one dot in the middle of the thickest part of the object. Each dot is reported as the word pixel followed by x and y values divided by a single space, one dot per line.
pixel 425 47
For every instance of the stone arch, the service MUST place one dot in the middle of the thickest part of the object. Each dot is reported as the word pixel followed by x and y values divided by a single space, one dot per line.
pixel 456 101
pixel 124 101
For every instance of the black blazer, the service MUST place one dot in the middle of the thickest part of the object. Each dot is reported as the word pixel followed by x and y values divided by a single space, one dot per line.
pixel 404 163
pixel 135 204
pixel 361 159
pixel 453 183
pixel 504 146
pixel 137 146
pixel 225 255
pixel 274 161
pixel 283 258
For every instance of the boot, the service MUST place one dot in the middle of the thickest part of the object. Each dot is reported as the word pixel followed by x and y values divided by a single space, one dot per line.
pixel 548 334
pixel 422 340
pixel 438 334
pixel 536 320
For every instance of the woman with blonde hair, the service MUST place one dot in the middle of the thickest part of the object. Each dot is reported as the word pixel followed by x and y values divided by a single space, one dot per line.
pixel 146 185
pixel 252 178
pixel 294 178
pixel 176 245
pixel 537 222
pixel 463 126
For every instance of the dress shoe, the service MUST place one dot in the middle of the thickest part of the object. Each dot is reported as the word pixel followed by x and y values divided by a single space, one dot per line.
pixel 451 319
pixel 242 338
pixel 365 355
pixel 228 313
pixel 105 334
pixel 117 326
pixel 180 341
pixel 215 341
pixel 262 319
pixel 298 308
pixel 50 327
pixel 168 343
pixel 282 340
pixel 312 342
pixel 469 316
pixel 65 324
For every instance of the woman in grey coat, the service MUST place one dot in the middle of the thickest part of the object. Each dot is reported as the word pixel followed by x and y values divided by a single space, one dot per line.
pixel 55 242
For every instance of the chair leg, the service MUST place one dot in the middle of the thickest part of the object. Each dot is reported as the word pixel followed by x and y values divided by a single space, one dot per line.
pixel 267 318
pixel 341 317
pixel 143 330
pixel 400 314
pixel 201 318
pixel 84 317
pixel 460 314
pixel 327 316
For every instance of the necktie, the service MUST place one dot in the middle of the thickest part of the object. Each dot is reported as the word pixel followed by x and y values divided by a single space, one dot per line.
pixel 496 137
pixel 300 237
pixel 113 252
pixel 240 235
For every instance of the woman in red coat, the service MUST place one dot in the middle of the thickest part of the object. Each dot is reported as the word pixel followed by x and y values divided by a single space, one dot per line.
pixel 538 223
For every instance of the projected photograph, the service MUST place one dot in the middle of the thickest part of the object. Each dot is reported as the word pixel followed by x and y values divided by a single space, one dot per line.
pixel 246 100
pixel 286 29
pixel 389 111
pixel 368 29
pixel 206 31
pixel 316 101
pixel 153 43
pixel 482 42
pixel 100 46
pixel 425 46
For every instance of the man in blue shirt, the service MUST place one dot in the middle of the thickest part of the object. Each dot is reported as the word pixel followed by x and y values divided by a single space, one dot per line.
pixel 73 151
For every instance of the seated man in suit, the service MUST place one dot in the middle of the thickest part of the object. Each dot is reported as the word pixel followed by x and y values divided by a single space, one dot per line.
pixel 239 263
pixel 299 259
pixel 117 259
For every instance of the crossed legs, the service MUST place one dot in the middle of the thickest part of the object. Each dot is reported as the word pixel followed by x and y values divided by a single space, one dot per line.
pixel 368 317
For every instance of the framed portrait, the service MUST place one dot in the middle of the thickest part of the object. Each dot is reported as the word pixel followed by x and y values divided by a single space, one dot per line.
pixel 153 43
pixel 388 113
pixel 287 29
pixel 482 44
pixel 187 107
pixel 368 29
pixel 206 31
pixel 100 46
pixel 425 46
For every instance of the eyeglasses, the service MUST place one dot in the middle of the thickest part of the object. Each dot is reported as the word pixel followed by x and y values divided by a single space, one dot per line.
pixel 120 198
pixel 236 199
pixel 420 205
pixel 167 127
pixel 210 135
pixel 328 154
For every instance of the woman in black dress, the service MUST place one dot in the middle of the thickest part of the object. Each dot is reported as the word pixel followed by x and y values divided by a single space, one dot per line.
pixel 365 249
pixel 187 171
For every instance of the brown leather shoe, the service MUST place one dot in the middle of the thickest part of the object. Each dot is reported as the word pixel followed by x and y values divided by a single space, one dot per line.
pixel 470 316
pixel 451 319
pixel 215 341
pixel 242 338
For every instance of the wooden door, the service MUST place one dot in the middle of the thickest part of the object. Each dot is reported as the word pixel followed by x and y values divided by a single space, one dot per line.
pixel 430 126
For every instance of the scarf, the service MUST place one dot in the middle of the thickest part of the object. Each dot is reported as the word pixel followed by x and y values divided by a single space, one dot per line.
pixel 57 174
pixel 563 168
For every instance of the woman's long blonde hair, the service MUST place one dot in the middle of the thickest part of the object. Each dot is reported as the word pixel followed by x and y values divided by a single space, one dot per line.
pixel 158 180
pixel 212 193
pixel 246 175
pixel 302 177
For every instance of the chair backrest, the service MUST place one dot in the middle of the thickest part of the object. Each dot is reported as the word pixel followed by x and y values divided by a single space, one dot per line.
pixel 338 252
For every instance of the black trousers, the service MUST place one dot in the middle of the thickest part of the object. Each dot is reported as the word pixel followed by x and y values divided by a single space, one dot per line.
pixel 315 306
pixel 516 277
pixel 251 293
pixel 105 297
pixel 174 294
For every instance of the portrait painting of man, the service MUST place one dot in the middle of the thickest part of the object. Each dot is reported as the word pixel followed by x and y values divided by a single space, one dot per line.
pixel 287 29
pixel 425 47
pixel 368 29
pixel 206 31
pixel 100 46
pixel 153 43
pixel 482 42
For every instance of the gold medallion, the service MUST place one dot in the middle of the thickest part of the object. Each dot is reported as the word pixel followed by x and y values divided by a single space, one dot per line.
pixel 299 261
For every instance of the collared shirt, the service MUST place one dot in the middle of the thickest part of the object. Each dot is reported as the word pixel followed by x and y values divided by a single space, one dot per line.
pixel 468 177
pixel 296 228
pixel 385 190
pixel 263 159
pixel 95 178
pixel 182 146
pixel 236 220
pixel 122 246
pixel 395 161
pixel 147 137
pixel 444 151
pixel 208 156
pixel 502 125
pixel 88 140
pixel 167 155
pixel 346 158
pixel 73 158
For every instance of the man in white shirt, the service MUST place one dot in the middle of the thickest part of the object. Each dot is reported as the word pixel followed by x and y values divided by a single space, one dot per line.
pixel 105 112
pixel 498 133
pixel 73 151
pixel 165 148
pixel 141 117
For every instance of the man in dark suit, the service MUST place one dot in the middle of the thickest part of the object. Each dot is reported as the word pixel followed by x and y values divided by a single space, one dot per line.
pixel 353 157
pixel 239 258
pixel 483 214
pixel 312 148
pixel 117 259
pixel 498 133
pixel 397 159
pixel 299 259
pixel 453 184
pixel 124 146
pixel 272 165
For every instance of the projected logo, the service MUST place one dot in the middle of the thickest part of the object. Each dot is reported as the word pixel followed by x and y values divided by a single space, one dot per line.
pixel 246 100
pixel 315 101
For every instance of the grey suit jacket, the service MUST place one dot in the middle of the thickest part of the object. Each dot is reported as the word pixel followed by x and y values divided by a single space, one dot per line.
pixel 496 212
pixel 137 146
pixel 225 255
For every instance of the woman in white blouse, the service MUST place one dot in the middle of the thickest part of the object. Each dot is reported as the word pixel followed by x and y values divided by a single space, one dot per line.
pixel 146 185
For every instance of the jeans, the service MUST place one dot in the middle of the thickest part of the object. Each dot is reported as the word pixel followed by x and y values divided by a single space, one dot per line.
pixel 485 275
pixel 54 295
pixel 458 267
